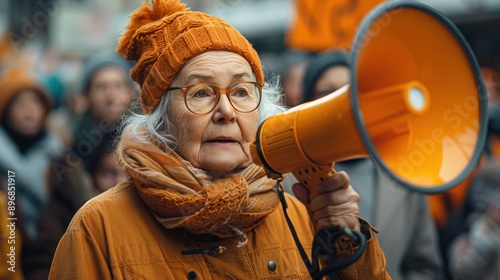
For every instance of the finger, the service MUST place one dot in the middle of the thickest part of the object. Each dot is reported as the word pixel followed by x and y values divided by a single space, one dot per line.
pixel 338 181
pixel 339 210
pixel 301 193
pixel 350 221
pixel 335 198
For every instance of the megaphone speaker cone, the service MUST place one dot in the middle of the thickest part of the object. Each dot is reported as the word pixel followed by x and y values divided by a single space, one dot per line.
pixel 420 98
pixel 416 104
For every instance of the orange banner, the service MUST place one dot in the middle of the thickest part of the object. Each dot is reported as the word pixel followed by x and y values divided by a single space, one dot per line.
pixel 319 25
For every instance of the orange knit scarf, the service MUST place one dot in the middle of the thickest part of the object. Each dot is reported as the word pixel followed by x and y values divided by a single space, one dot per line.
pixel 180 195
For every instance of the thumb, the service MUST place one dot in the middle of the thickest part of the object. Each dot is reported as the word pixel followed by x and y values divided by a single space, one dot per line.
pixel 301 193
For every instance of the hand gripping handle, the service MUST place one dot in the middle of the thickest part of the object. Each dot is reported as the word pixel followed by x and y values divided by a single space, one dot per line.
pixel 312 176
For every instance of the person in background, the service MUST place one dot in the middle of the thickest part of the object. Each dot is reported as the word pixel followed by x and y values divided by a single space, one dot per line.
pixel 475 253
pixel 104 169
pixel 27 147
pixel 72 186
pixel 407 233
pixel 492 83
pixel 109 90
pixel 196 206
pixel 293 73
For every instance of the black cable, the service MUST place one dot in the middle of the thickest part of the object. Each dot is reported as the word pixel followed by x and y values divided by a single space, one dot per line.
pixel 359 238
pixel 323 240
pixel 302 252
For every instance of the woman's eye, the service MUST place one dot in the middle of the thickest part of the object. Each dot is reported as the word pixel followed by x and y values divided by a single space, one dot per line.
pixel 240 93
pixel 201 94
pixel 100 87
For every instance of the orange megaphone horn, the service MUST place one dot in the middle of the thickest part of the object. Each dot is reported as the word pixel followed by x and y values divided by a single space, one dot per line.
pixel 417 104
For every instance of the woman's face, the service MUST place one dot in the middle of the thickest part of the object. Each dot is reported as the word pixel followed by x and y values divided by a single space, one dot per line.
pixel 27 113
pixel 109 93
pixel 331 80
pixel 218 141
pixel 108 173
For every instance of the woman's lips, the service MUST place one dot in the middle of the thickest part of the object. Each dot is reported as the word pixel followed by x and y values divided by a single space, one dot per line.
pixel 222 140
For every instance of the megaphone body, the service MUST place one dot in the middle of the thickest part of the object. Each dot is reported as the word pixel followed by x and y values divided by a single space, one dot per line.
pixel 416 104
pixel 305 140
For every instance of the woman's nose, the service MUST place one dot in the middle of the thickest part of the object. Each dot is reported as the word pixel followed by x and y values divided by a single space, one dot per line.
pixel 224 111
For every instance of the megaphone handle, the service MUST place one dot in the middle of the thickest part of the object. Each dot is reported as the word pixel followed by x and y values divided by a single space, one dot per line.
pixel 312 176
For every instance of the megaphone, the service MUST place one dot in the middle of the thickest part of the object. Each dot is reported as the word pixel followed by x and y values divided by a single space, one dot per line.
pixel 416 104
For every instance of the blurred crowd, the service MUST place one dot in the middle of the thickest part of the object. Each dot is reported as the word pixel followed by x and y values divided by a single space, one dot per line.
pixel 58 139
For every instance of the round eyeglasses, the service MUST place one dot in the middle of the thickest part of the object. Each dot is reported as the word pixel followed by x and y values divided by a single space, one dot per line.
pixel 201 99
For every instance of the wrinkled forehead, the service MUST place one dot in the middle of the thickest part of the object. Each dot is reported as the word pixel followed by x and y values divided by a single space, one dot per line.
pixel 212 65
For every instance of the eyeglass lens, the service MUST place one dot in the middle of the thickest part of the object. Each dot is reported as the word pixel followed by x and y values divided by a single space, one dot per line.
pixel 202 98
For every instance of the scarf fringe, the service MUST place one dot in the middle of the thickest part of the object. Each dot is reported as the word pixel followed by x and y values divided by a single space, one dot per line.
pixel 240 234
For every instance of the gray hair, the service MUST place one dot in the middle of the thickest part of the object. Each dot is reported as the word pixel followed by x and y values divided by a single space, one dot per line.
pixel 155 126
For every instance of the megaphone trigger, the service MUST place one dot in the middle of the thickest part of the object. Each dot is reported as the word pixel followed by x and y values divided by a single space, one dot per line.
pixel 312 176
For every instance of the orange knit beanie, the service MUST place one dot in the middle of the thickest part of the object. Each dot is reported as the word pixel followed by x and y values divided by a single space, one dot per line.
pixel 14 81
pixel 161 37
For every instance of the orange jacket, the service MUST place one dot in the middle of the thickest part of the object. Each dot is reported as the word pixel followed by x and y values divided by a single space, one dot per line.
pixel 115 236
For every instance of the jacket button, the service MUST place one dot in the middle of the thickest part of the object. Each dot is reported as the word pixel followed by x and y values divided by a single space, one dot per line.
pixel 192 275
pixel 271 265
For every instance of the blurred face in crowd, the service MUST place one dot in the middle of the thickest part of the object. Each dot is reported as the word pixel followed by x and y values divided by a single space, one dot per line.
pixel 292 84
pixel 331 80
pixel 26 113
pixel 109 93
pixel 491 80
pixel 219 140
pixel 108 173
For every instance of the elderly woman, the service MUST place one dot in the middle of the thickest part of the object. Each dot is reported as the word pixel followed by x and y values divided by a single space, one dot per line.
pixel 195 206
